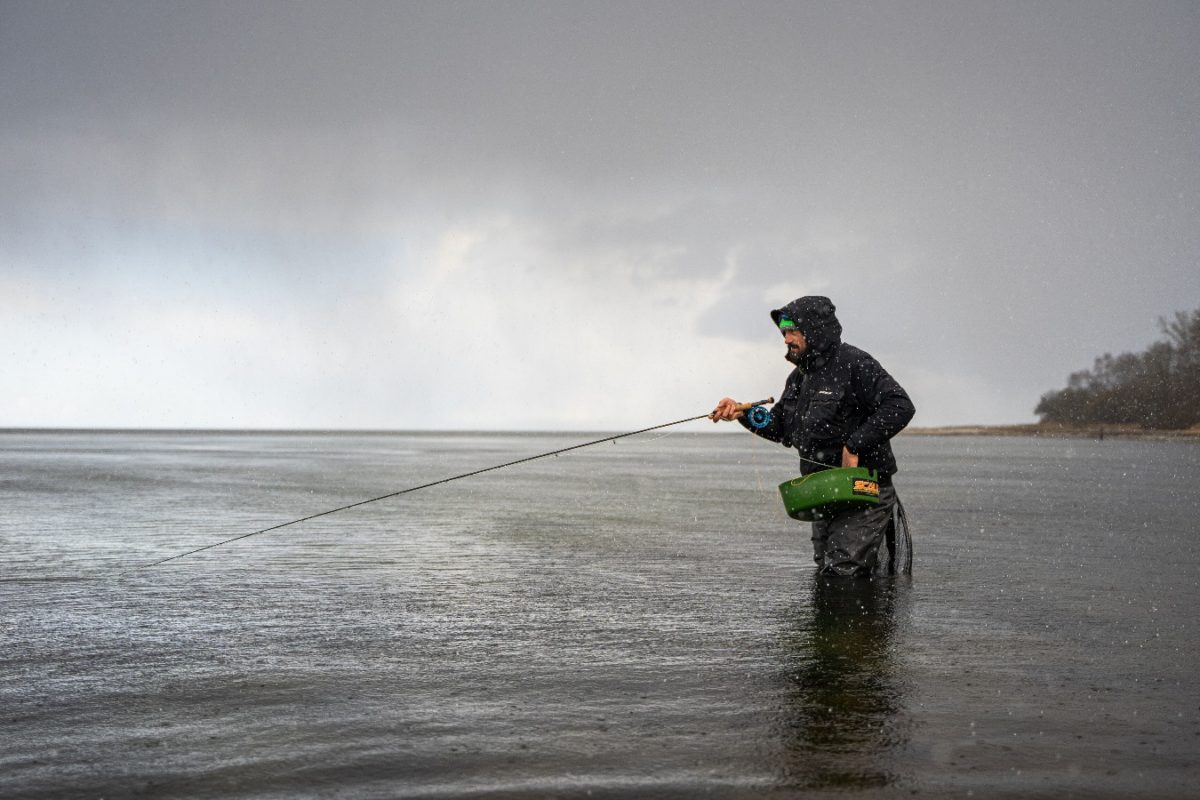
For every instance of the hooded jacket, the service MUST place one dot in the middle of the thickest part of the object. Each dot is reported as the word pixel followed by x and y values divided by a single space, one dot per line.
pixel 837 396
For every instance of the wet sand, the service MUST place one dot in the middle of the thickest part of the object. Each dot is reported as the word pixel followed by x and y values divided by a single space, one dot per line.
pixel 1050 431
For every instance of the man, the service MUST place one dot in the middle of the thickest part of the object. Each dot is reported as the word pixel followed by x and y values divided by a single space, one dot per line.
pixel 839 407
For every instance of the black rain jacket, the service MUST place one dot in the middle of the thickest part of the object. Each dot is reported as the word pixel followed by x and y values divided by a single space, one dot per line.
pixel 837 396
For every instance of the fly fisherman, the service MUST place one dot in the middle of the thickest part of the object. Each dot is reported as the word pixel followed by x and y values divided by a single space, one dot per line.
pixel 839 407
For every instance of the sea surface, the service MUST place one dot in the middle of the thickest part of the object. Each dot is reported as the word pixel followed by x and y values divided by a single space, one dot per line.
pixel 638 619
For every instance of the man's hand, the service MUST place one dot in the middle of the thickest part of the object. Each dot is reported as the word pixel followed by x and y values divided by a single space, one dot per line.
pixel 849 459
pixel 726 410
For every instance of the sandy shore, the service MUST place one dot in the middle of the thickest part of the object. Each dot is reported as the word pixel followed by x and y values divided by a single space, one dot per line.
pixel 1058 431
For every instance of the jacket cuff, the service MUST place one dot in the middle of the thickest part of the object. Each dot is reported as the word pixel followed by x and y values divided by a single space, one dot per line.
pixel 855 443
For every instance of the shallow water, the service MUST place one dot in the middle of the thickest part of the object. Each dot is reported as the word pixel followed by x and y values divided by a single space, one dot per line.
pixel 638 619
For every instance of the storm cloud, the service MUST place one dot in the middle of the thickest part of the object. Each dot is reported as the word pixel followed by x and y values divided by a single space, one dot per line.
pixel 570 215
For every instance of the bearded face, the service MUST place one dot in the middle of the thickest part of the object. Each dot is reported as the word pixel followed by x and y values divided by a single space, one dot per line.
pixel 796 344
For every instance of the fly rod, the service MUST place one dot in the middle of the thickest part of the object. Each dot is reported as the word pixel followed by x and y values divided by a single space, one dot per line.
pixel 740 407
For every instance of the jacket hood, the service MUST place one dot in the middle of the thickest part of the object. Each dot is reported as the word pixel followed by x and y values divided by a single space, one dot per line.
pixel 815 318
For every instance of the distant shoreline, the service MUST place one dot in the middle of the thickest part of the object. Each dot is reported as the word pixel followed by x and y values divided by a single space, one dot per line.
pixel 1030 429
pixel 1058 431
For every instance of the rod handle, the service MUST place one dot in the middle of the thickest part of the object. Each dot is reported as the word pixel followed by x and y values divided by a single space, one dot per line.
pixel 748 406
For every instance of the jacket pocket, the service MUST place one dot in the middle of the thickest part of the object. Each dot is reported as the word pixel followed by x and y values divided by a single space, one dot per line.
pixel 823 421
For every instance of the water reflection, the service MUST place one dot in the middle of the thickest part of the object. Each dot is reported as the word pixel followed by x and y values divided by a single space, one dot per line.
pixel 845 716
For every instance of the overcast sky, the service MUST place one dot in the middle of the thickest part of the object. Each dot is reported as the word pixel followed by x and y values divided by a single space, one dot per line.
pixel 577 215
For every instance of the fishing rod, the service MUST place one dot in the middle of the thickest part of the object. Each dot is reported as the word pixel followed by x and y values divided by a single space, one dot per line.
pixel 739 407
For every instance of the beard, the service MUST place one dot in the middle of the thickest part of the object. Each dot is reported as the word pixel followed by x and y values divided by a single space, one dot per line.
pixel 794 355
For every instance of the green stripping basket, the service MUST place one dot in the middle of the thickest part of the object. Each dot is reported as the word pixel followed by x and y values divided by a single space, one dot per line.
pixel 829 491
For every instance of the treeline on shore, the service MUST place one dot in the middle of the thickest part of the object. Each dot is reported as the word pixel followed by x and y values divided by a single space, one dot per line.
pixel 1158 388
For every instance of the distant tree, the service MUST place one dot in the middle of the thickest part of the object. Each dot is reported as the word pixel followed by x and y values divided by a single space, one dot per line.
pixel 1157 388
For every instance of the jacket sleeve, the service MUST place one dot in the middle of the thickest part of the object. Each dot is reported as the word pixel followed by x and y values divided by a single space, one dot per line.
pixel 888 405
pixel 779 429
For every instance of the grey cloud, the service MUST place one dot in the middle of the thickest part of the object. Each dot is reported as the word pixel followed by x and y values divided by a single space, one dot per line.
pixel 1012 187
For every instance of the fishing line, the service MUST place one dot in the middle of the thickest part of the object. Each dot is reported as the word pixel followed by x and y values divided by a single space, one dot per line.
pixel 660 436
pixel 741 407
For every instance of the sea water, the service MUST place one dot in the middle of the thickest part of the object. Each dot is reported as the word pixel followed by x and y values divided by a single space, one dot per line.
pixel 631 619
